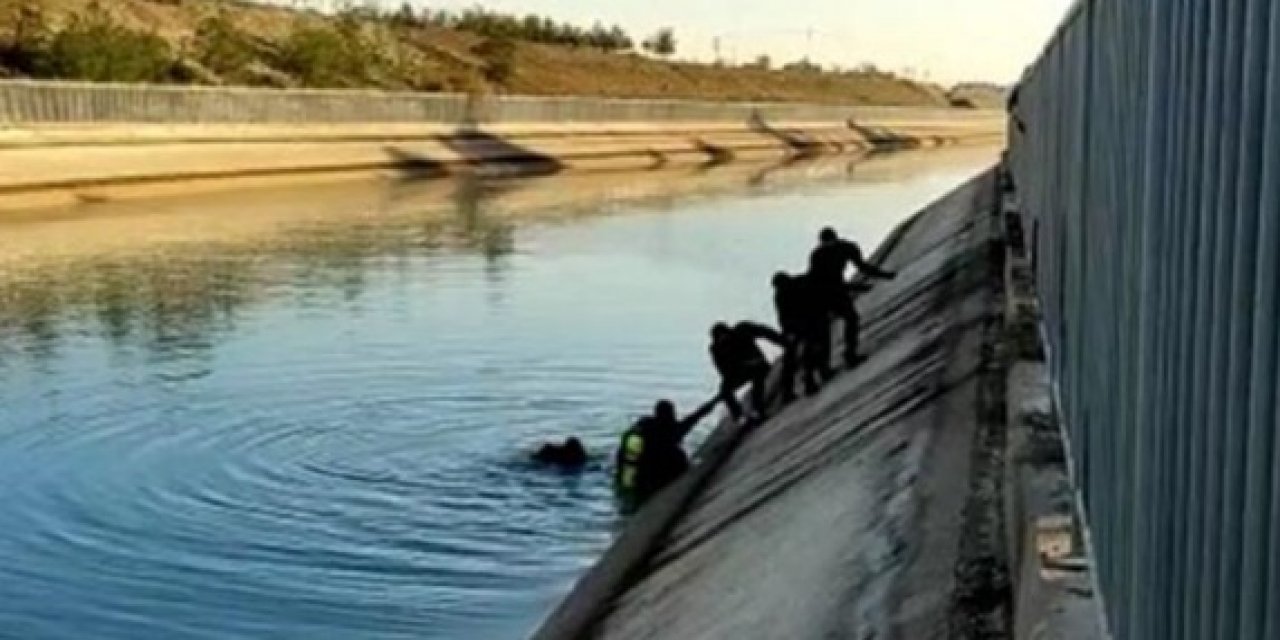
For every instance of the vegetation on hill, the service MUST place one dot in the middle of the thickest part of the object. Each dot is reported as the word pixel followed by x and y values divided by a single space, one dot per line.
pixel 217 42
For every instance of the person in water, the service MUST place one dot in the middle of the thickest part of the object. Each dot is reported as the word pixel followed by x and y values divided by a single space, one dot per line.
pixel 651 453
pixel 738 358
pixel 827 267
pixel 570 456
pixel 803 319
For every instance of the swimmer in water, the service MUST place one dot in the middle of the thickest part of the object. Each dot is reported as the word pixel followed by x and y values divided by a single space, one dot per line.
pixel 570 456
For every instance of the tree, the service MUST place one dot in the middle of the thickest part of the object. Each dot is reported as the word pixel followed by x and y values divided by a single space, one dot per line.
pixel 764 63
pixel 532 29
pixel 598 37
pixel 802 66
pixel 662 43
pixel 619 39
pixel 405 16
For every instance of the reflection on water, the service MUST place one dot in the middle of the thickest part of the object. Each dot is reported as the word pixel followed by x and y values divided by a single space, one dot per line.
pixel 300 414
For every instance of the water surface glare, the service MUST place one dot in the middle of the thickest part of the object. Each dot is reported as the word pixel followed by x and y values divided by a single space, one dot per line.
pixel 305 413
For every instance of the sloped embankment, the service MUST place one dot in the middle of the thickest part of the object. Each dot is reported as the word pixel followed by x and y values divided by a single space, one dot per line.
pixel 872 510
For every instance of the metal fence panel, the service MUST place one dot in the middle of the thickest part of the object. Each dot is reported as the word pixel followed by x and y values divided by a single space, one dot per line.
pixel 1148 163
pixel 52 102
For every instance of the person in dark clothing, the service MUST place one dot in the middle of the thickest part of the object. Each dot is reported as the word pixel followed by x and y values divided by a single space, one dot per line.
pixel 827 267
pixel 1011 105
pixel 570 456
pixel 651 454
pixel 740 361
pixel 804 322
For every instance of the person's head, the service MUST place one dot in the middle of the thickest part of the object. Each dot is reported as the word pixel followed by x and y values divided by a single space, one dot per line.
pixel 574 454
pixel 665 411
pixel 828 235
pixel 720 331
pixel 781 279
pixel 647 426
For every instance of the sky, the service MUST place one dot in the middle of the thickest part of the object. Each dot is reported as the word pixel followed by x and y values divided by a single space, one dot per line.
pixel 945 41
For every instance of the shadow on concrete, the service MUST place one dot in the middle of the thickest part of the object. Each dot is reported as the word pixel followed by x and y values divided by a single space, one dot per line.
pixel 882 139
pixel 887 140
pixel 660 159
pixel 479 149
pixel 798 143
pixel 414 167
pixel 716 154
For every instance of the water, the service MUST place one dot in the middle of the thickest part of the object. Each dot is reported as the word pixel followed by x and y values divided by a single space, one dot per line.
pixel 305 413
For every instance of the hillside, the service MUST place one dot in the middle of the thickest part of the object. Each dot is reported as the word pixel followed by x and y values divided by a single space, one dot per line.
pixel 211 42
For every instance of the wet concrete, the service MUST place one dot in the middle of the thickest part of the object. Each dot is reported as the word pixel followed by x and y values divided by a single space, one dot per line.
pixel 872 510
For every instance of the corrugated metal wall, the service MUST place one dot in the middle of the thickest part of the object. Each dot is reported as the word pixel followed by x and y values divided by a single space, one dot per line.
pixel 1149 166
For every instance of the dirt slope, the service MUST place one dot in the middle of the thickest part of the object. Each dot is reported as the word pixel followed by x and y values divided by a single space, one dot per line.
pixel 431 58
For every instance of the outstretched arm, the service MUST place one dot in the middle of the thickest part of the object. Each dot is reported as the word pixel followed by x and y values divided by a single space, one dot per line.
pixel 619 459
pixel 690 421
pixel 765 333
pixel 871 270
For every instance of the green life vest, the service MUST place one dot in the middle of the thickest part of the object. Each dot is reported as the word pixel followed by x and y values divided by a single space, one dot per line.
pixel 631 449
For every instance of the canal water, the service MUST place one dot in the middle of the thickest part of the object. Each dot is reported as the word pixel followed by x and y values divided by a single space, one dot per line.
pixel 305 412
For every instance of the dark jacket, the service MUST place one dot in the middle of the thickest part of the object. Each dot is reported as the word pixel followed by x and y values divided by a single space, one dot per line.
pixel 828 263
pixel 800 306
pixel 651 454
pixel 737 355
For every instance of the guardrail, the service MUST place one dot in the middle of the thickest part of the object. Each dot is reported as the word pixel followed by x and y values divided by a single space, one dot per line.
pixel 1146 151
pixel 40 102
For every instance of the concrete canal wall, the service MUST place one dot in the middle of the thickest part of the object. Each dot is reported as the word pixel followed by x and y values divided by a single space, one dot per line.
pixel 911 498
pixel 68 141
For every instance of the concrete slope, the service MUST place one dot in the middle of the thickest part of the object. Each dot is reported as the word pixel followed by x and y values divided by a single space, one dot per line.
pixel 867 511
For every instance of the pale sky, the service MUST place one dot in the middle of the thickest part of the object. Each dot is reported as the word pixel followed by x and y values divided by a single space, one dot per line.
pixel 951 40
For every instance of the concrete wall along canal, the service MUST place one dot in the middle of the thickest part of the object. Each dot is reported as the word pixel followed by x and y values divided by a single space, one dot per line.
pixel 871 510
pixel 60 139
pixel 1148 165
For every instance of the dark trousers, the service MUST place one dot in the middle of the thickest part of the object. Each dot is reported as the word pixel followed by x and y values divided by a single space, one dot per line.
pixel 807 356
pixel 842 308
pixel 754 374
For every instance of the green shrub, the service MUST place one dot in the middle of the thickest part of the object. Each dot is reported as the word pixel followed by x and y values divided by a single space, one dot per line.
pixel 95 47
pixel 219 45
pixel 317 56
pixel 322 56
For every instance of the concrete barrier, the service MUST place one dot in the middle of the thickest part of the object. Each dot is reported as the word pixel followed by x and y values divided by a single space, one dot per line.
pixel 42 102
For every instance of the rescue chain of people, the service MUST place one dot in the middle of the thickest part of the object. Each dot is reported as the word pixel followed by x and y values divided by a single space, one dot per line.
pixel 651 453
